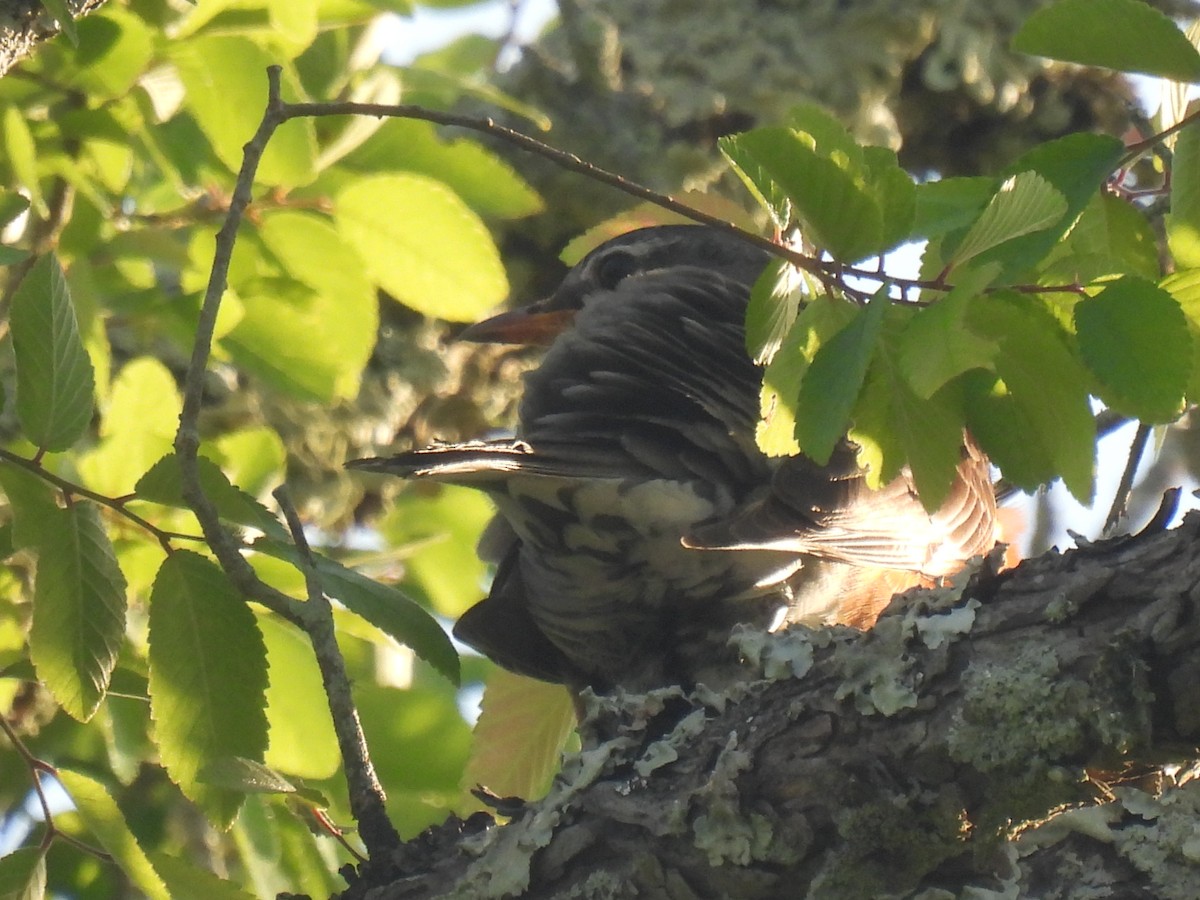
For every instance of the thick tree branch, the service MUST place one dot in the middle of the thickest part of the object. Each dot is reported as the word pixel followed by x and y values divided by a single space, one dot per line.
pixel 919 755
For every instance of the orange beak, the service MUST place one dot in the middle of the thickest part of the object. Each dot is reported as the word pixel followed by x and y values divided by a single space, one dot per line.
pixel 520 326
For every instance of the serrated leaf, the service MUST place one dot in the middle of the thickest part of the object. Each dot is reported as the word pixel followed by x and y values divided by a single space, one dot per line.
pixel 78 610
pixel 819 320
pixel 23 874
pixel 518 740
pixel 1024 203
pixel 185 881
pixel 1032 416
pixel 1111 237
pixel 896 192
pixel 1133 336
pixel 208 678
pixel 421 244
pixel 897 427
pixel 54 375
pixel 834 378
pixel 162 483
pixel 115 49
pixel 838 210
pixel 1076 166
pixel 758 181
pixel 104 820
pixel 938 345
pixel 1127 35
pixel 225 80
pixel 1183 221
pixel 384 607
pixel 774 305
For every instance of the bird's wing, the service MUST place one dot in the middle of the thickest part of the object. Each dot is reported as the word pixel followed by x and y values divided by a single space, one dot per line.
pixel 830 513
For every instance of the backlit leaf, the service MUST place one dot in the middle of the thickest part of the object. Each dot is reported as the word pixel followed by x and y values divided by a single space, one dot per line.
pixel 1024 203
pixel 1183 221
pixel 54 375
pixel 208 677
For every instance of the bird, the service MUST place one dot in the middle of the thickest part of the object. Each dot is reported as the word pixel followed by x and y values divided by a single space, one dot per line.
pixel 637 519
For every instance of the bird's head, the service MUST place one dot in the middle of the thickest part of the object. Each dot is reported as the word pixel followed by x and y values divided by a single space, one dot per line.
pixel 631 255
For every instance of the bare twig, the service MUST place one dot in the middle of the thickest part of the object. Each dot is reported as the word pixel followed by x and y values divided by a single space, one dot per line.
pixel 1120 504
pixel 366 799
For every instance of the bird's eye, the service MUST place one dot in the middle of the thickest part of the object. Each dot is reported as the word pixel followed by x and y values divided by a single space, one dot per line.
pixel 613 268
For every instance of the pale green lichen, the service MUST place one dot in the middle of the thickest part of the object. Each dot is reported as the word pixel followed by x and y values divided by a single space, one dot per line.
pixel 777 655
pixel 665 751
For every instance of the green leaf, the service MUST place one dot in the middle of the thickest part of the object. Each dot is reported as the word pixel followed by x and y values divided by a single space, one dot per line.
pixel 54 375
pixel 949 204
pixel 484 181
pixel 137 430
pixel 1185 288
pixel 226 83
pixel 938 345
pixel 1133 336
pixel 22 155
pixel 62 15
pixel 833 381
pixel 1076 166
pixel 245 776
pixel 421 244
pixel 34 510
pixel 826 180
pixel 302 739
pixel 384 607
pixel 1032 417
pixel 103 818
pixel 1183 221
pixel 1024 203
pixel 893 426
pixel 1111 237
pixel 208 678
pixel 1127 35
pixel 185 881
pixel 518 741
pixel 312 340
pixel 896 193
pixel 766 192
pixel 819 320
pixel 774 305
pixel 163 484
pixel 78 610
pixel 115 49
pixel 23 874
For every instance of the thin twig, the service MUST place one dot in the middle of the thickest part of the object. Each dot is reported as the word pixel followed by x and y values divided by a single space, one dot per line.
pixel 117 504
pixel 315 618
pixel 1120 504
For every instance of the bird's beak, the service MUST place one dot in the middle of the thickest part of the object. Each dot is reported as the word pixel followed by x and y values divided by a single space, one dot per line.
pixel 527 325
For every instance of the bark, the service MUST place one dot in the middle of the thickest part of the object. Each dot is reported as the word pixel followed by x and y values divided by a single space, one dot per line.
pixel 25 23
pixel 1026 734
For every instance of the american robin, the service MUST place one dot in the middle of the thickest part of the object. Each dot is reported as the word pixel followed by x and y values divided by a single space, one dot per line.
pixel 637 519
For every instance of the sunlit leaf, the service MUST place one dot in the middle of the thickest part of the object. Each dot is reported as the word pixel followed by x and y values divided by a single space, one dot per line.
pixel 519 737
pixel 23 874
pixel 774 305
pixel 226 82
pixel 208 677
pixel 1025 203
pixel 105 821
pixel 1127 35
pixel 22 156
pixel 185 880
pixel 422 245
pixel 162 484
pixel 1183 221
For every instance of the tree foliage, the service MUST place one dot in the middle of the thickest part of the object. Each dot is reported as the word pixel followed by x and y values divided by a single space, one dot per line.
pixel 178 715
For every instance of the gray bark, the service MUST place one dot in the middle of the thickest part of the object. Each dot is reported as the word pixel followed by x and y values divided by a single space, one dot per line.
pixel 1029 734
